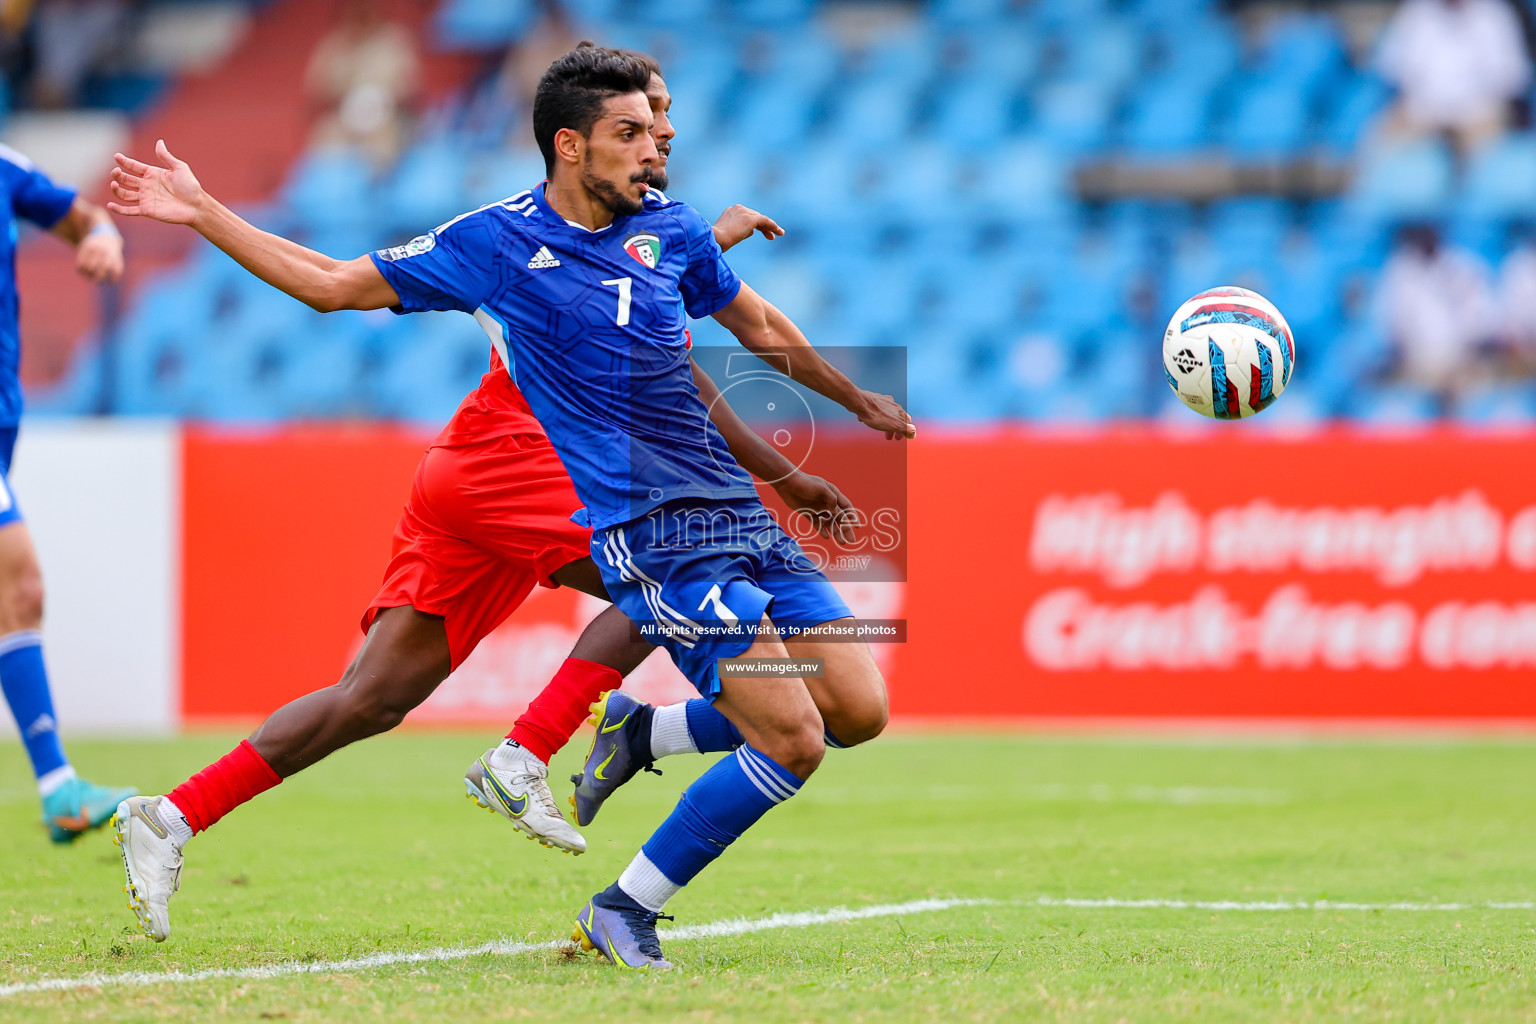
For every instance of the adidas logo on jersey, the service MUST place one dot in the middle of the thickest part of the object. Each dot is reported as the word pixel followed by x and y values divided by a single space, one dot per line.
pixel 543 259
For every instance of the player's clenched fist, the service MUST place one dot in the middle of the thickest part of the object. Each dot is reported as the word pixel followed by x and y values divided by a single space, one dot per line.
pixel 99 257
pixel 169 193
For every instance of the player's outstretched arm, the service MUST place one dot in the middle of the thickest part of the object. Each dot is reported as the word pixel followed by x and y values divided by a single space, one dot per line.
pixel 834 514
pixel 171 193
pixel 762 328
pixel 98 246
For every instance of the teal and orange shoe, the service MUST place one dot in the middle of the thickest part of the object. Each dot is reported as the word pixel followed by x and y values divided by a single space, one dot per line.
pixel 621 749
pixel 621 929
pixel 78 806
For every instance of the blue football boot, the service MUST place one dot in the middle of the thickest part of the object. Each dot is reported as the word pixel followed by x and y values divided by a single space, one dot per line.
pixel 79 806
pixel 620 929
pixel 621 748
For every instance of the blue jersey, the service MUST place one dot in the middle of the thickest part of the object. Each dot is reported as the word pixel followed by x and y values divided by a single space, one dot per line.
pixel 590 324
pixel 27 194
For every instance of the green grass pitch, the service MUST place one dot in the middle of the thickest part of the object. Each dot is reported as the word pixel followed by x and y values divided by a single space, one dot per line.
pixel 376 850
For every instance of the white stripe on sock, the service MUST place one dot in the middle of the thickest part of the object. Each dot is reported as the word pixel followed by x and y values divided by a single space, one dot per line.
pixel 175 821
pixel 767 773
pixel 669 731
pixel 644 883
pixel 49 783
pixel 19 639
pixel 758 777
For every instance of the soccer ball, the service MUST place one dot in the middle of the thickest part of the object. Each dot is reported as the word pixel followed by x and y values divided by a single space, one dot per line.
pixel 1228 353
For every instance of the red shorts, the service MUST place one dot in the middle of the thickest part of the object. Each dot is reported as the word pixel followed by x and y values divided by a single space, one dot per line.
pixel 484 524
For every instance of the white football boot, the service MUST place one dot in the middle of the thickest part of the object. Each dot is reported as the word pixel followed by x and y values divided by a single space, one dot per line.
pixel 509 781
pixel 151 860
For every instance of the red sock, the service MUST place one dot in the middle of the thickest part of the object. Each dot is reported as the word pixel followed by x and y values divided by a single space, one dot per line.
pixel 230 781
pixel 562 706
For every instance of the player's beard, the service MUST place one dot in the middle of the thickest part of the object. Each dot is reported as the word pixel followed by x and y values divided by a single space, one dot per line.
pixel 658 177
pixel 619 204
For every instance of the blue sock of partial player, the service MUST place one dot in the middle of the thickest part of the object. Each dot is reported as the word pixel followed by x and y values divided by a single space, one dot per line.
pixel 711 731
pixel 692 727
pixel 711 814
pixel 833 741
pixel 24 679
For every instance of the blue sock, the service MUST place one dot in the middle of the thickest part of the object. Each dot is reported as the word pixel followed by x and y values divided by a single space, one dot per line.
pixel 711 814
pixel 709 729
pixel 25 682
pixel 833 741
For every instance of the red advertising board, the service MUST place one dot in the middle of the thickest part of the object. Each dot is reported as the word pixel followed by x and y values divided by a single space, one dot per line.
pixel 1127 574
pixel 1333 576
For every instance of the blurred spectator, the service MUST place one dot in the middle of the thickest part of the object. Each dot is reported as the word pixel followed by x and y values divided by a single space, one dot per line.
pixel 363 77
pixel 68 38
pixel 1517 305
pixel 1435 306
pixel 1458 66
pixel 497 112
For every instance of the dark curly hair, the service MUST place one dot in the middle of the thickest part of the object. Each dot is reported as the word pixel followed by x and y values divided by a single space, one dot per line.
pixel 572 92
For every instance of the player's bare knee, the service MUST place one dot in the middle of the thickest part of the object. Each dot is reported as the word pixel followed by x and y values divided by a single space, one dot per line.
pixel 860 723
pixel 799 749
pixel 21 600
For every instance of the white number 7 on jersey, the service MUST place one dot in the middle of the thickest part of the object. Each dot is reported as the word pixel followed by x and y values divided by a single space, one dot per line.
pixel 624 285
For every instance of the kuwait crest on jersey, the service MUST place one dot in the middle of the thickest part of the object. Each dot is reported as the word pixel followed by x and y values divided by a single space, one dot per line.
pixel 644 247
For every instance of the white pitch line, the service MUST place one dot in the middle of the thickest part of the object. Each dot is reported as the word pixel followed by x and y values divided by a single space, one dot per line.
pixel 718 929
pixel 1263 905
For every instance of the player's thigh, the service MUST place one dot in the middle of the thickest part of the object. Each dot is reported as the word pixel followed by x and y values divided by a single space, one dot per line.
pixel 582 575
pixel 18 554
pixel 405 656
pixel 850 693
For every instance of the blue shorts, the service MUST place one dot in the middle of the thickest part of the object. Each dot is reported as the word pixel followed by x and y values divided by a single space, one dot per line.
pixel 697 579
pixel 10 512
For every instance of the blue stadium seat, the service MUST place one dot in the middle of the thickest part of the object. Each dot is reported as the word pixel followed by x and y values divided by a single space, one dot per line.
pixel 1200 49
pixel 501 174
pixel 1354 106
pixel 1305 287
pixel 1074 114
pixel 1405 181
pixel 975 111
pixel 1168 114
pixel 482 24
pixel 877 111
pixel 331 187
pixel 926 169
pixel 969 12
pixel 772 13
pixel 669 13
pixel 1252 228
pixel 1075 14
pixel 1501 180
pixel 1396 405
pixel 1269 118
pixel 1004 51
pixel 774 114
pixel 1025 178
pixel 428 373
pixel 427 186
pixel 1107 50
pixel 1197 263
pixel 1499 405
pixel 1307 49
